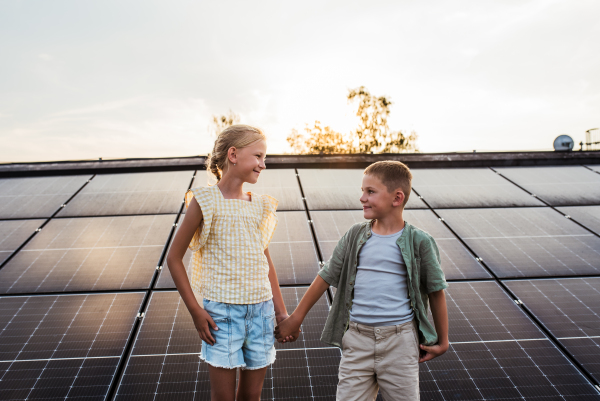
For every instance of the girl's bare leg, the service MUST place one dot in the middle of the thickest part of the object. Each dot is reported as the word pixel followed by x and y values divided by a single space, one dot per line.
pixel 251 384
pixel 222 384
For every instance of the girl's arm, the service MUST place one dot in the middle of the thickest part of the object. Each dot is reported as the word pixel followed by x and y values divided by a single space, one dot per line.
pixel 280 311
pixel 191 222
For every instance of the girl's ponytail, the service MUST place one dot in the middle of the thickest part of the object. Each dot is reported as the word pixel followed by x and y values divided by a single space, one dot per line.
pixel 237 136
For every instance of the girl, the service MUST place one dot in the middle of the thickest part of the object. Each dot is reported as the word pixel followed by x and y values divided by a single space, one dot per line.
pixel 233 295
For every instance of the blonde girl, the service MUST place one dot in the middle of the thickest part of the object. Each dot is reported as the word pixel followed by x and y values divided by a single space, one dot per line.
pixel 233 294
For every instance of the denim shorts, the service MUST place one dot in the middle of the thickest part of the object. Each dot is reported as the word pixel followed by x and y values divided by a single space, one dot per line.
pixel 245 337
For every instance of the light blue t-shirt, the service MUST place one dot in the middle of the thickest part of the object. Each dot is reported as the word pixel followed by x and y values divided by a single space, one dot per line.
pixel 380 291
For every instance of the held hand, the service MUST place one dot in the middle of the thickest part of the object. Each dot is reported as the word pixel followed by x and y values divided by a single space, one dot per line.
pixel 203 323
pixel 432 351
pixel 288 330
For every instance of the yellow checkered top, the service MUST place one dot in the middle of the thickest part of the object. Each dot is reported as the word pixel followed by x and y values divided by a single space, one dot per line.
pixel 229 264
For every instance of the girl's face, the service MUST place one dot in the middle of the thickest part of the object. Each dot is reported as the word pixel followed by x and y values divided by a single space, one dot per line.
pixel 249 161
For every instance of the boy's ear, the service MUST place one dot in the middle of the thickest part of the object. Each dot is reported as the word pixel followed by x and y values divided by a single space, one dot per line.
pixel 399 197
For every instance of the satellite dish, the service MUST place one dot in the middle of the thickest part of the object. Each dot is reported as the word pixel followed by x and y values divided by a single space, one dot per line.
pixel 563 143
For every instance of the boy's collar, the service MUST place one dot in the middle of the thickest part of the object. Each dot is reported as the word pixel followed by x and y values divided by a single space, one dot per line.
pixel 370 228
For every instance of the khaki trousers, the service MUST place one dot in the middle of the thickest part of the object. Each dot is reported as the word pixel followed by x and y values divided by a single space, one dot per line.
pixel 385 358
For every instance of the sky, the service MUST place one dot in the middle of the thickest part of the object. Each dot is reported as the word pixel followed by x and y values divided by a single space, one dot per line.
pixel 119 79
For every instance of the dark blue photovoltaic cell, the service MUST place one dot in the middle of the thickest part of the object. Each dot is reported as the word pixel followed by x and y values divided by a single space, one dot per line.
pixel 468 187
pixel 527 242
pixel 570 309
pixel 559 186
pixel 134 193
pixel 35 197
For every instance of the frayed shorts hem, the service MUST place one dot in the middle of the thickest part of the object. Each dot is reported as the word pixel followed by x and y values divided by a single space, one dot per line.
pixel 242 366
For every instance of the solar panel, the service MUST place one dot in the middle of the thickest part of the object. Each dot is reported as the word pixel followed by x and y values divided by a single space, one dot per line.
pixel 293 250
pixel 36 196
pixel 165 357
pixel 63 346
pixel 596 168
pixel 468 187
pixel 280 184
pixel 135 193
pixel 559 186
pixel 527 242
pixel 570 309
pixel 339 189
pixel 496 352
pixel 589 216
pixel 457 262
pixel 82 254
pixel 13 233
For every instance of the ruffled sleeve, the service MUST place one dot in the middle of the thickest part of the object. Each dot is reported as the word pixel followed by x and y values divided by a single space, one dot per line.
pixel 205 201
pixel 268 222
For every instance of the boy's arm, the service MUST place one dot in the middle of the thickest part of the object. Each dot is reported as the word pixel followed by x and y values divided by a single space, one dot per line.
pixel 184 235
pixel 439 312
pixel 291 325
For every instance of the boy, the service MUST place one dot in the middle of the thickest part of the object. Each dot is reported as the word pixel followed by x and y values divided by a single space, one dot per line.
pixel 385 271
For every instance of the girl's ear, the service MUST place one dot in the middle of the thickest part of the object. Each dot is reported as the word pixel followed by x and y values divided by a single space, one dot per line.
pixel 232 154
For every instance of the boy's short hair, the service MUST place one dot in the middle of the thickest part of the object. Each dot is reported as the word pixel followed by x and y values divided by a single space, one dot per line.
pixel 393 175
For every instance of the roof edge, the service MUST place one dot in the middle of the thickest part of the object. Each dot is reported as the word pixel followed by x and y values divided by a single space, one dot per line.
pixel 413 160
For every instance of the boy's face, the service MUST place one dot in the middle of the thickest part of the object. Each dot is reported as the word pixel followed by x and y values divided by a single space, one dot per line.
pixel 377 201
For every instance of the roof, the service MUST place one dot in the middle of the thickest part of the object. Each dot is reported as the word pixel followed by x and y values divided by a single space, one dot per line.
pixel 86 295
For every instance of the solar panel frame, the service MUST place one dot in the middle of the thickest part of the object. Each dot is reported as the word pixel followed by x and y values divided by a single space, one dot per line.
pixel 559 186
pixel 526 242
pixel 339 189
pixel 13 233
pixel 570 310
pixel 89 254
pixel 456 261
pixel 130 194
pixel 468 187
pixel 37 197
pixel 596 168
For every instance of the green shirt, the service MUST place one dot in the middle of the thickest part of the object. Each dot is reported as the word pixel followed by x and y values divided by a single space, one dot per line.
pixel 425 276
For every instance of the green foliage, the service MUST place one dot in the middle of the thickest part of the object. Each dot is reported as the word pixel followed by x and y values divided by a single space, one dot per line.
pixel 372 135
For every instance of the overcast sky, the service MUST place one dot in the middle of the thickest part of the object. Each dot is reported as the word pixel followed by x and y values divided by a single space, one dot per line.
pixel 112 79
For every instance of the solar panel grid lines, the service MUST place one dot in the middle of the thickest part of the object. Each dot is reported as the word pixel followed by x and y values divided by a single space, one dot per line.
pixel 130 194
pixel 64 346
pixel 526 242
pixel 468 187
pixel 587 216
pixel 456 260
pixel 557 185
pixel 13 234
pixel 37 197
pixel 488 360
pixel 338 189
pixel 82 254
pixel 570 310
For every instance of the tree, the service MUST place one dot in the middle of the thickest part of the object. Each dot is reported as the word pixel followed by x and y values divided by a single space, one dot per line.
pixel 220 122
pixel 372 135
pixel 318 140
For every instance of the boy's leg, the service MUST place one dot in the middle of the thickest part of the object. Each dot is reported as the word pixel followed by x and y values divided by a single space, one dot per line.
pixel 357 375
pixel 398 370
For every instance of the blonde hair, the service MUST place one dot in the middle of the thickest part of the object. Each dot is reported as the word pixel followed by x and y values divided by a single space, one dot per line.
pixel 393 175
pixel 238 136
